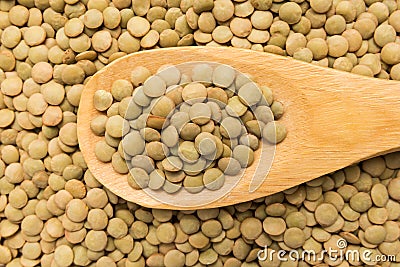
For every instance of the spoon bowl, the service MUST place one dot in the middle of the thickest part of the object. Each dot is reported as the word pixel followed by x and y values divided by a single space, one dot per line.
pixel 333 118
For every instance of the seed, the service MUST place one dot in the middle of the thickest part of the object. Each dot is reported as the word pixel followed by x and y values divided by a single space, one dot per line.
pixel 389 53
pixel 169 136
pixel 138 177
pixel 230 166
pixel 73 27
pixel 213 179
pixel 380 10
pixel 11 86
pixel 392 188
pixel 200 113
pixel 155 122
pixel 375 234
pixel 395 72
pixel 360 202
pixel 11 36
pixel 6 117
pixel 63 255
pixel 174 258
pixel 156 150
pixel 97 219
pixel 190 131
pixel 337 46
pixel 68 134
pixel 379 195
pixel 7 60
pixel 175 93
pixel 53 93
pixel 96 240
pixel 73 74
pixel 240 27
pixel 172 164
pixel 170 74
pixel 244 155
pixel 249 94
pixel 231 127
pixel 193 184
pixel 121 89
pixel 290 12
pixel 134 144
pixel 114 126
pixel 76 210
pixel 112 17
pixel 294 237
pixel 196 167
pixel 169 37
pixel 205 143
pixel 42 72
pixel 117 228
pixel 93 18
pixel 223 10
pixel 335 25
pixel 251 228
pixel 202 6
pixel 154 86
pixel 274 132
pixel 157 179
pixel 36 104
pixel 363 70
pixel 194 93
pixel 202 73
pixel 211 228
pixel 326 214
pixel 274 226
pixel 138 26
pixel 166 232
pixel 179 119
pixel 295 41
pixel 187 152
pixel 235 107
pixel 140 98
pixel 222 34
pixel 163 106
pixel 143 162
pixel 320 6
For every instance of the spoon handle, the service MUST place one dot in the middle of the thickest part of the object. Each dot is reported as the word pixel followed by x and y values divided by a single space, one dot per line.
pixel 359 115
pixel 342 119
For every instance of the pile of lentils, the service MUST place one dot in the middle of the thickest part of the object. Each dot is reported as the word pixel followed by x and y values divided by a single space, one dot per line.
pixel 187 130
pixel 53 212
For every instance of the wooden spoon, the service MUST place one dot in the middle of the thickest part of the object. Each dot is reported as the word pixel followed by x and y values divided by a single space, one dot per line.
pixel 334 119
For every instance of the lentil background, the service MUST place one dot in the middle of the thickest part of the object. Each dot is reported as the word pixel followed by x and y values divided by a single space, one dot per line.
pixel 54 213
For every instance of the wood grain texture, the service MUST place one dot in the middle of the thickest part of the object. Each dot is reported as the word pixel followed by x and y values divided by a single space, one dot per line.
pixel 334 119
